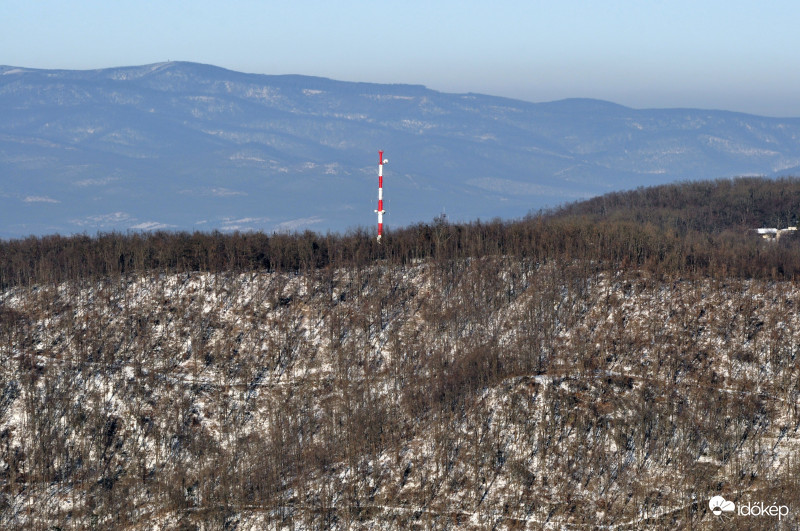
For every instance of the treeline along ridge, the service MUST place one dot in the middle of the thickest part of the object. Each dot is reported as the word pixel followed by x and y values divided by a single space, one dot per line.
pixel 689 228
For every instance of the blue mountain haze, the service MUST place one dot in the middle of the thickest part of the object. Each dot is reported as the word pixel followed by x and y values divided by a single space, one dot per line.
pixel 185 146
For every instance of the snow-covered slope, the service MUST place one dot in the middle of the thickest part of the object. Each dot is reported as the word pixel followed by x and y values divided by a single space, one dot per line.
pixel 473 394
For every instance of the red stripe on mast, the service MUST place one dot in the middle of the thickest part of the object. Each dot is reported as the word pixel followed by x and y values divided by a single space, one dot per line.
pixel 380 210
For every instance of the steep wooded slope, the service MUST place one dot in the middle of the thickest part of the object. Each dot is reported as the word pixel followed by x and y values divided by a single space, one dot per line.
pixel 614 363
pixel 468 394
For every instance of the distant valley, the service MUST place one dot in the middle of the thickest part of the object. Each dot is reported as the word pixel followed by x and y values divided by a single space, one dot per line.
pixel 183 146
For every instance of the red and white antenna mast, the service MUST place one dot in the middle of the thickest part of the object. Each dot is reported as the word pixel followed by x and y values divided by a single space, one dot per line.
pixel 380 211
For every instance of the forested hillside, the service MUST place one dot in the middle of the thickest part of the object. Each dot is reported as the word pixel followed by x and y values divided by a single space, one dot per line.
pixel 701 228
pixel 614 363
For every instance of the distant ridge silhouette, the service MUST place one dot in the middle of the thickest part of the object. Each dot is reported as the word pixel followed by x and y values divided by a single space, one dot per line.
pixel 190 146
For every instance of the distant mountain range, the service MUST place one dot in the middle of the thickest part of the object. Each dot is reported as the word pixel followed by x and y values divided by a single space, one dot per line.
pixel 186 146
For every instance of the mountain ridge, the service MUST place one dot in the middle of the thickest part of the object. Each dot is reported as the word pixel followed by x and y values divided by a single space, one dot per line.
pixel 155 146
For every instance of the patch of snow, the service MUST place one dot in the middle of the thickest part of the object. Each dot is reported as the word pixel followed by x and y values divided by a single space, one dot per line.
pixel 40 199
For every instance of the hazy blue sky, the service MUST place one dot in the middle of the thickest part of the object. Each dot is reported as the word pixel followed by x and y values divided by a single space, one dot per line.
pixel 734 55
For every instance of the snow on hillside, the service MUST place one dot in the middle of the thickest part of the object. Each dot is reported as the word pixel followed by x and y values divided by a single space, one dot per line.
pixel 486 393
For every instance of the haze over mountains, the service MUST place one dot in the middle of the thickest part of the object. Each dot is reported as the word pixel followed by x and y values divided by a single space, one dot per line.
pixel 188 146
